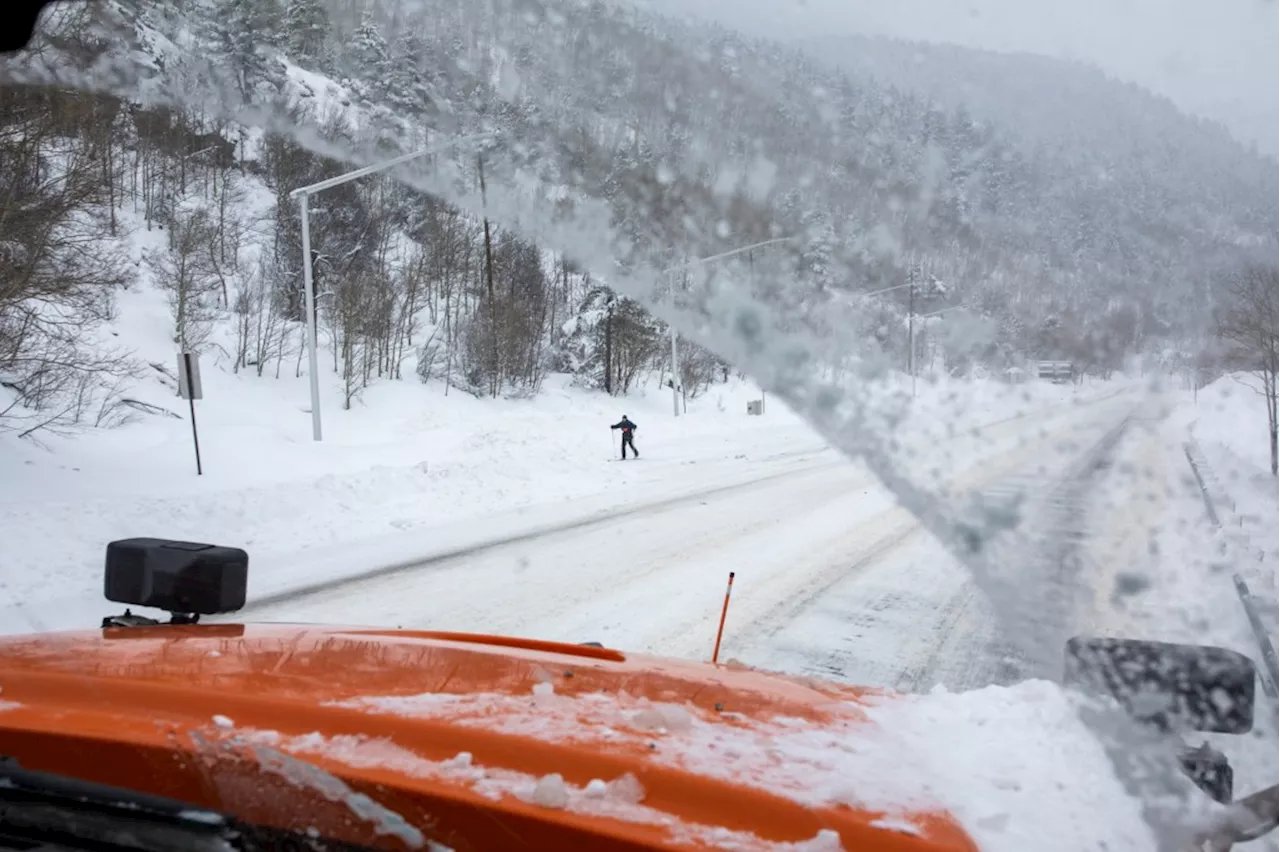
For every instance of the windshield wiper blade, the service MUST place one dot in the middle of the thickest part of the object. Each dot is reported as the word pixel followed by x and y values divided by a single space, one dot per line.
pixel 58 809
pixel 46 810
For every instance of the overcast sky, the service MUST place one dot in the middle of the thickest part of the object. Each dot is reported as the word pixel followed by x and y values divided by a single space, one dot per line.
pixel 1215 58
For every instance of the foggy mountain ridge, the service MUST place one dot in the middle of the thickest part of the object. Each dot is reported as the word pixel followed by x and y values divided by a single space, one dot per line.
pixel 1037 99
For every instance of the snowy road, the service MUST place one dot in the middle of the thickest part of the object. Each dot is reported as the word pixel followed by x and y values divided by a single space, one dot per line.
pixel 912 617
pixel 825 560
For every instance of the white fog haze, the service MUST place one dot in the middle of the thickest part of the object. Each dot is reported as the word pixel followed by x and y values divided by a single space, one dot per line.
pixel 1213 58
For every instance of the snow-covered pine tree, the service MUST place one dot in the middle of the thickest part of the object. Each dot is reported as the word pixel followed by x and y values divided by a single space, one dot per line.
pixel 370 57
pixel 410 80
pixel 245 30
pixel 306 25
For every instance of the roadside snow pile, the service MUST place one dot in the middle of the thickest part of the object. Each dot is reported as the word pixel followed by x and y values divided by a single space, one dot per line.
pixel 1228 424
pixel 1230 416
pixel 406 457
pixel 407 464
pixel 1159 570
pixel 970 751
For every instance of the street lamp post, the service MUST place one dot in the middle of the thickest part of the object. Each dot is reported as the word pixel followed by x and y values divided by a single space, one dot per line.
pixel 313 361
pixel 303 194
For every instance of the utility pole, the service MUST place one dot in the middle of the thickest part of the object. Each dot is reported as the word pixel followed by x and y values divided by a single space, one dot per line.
pixel 751 267
pixel 310 307
pixel 911 326
pixel 675 365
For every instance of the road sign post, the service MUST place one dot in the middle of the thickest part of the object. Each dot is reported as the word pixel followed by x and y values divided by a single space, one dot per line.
pixel 189 389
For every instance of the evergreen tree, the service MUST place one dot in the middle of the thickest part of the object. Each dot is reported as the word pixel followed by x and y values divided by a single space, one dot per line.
pixel 244 31
pixel 370 57
pixel 306 30
pixel 409 83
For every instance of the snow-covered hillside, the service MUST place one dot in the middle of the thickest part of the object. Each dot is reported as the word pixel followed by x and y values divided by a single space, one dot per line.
pixel 747 141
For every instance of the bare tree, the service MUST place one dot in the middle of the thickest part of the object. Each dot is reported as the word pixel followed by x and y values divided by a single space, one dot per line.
pixel 412 287
pixel 229 230
pixel 260 325
pixel 185 271
pixel 57 270
pixel 243 309
pixel 699 368
pixel 1249 326
pixel 351 316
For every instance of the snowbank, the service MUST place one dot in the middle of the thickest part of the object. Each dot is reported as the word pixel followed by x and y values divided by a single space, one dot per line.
pixel 411 469
pixel 409 474
pixel 1159 568
pixel 1227 425
pixel 1230 414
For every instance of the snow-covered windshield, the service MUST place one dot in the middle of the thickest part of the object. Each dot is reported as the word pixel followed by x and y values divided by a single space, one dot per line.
pixel 951 349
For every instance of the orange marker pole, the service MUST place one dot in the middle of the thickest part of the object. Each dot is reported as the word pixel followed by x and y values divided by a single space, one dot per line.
pixel 715 655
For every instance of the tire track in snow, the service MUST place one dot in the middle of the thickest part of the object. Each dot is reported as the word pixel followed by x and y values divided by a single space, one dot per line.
pixel 799 461
pixel 892 528
pixel 651 579
pixel 573 584
pixel 1048 610
pixel 808 464
pixel 905 581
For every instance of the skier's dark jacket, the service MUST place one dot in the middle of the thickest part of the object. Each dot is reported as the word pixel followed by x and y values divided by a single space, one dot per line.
pixel 625 425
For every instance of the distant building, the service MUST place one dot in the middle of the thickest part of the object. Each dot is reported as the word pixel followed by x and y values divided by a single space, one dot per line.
pixel 1015 375
pixel 1058 372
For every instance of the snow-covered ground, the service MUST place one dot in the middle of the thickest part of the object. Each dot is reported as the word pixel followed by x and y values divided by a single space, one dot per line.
pixel 833 580
pixel 410 474
pixel 1224 431
pixel 513 516
pixel 407 473
pixel 650 577
pixel 1157 566
pixel 1226 424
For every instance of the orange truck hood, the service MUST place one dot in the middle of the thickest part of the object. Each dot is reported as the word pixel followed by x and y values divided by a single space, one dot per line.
pixel 467 741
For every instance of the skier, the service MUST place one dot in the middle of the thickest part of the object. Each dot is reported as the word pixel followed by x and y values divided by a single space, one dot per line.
pixel 628 437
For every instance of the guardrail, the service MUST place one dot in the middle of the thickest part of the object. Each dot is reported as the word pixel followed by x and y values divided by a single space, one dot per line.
pixel 1271 675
